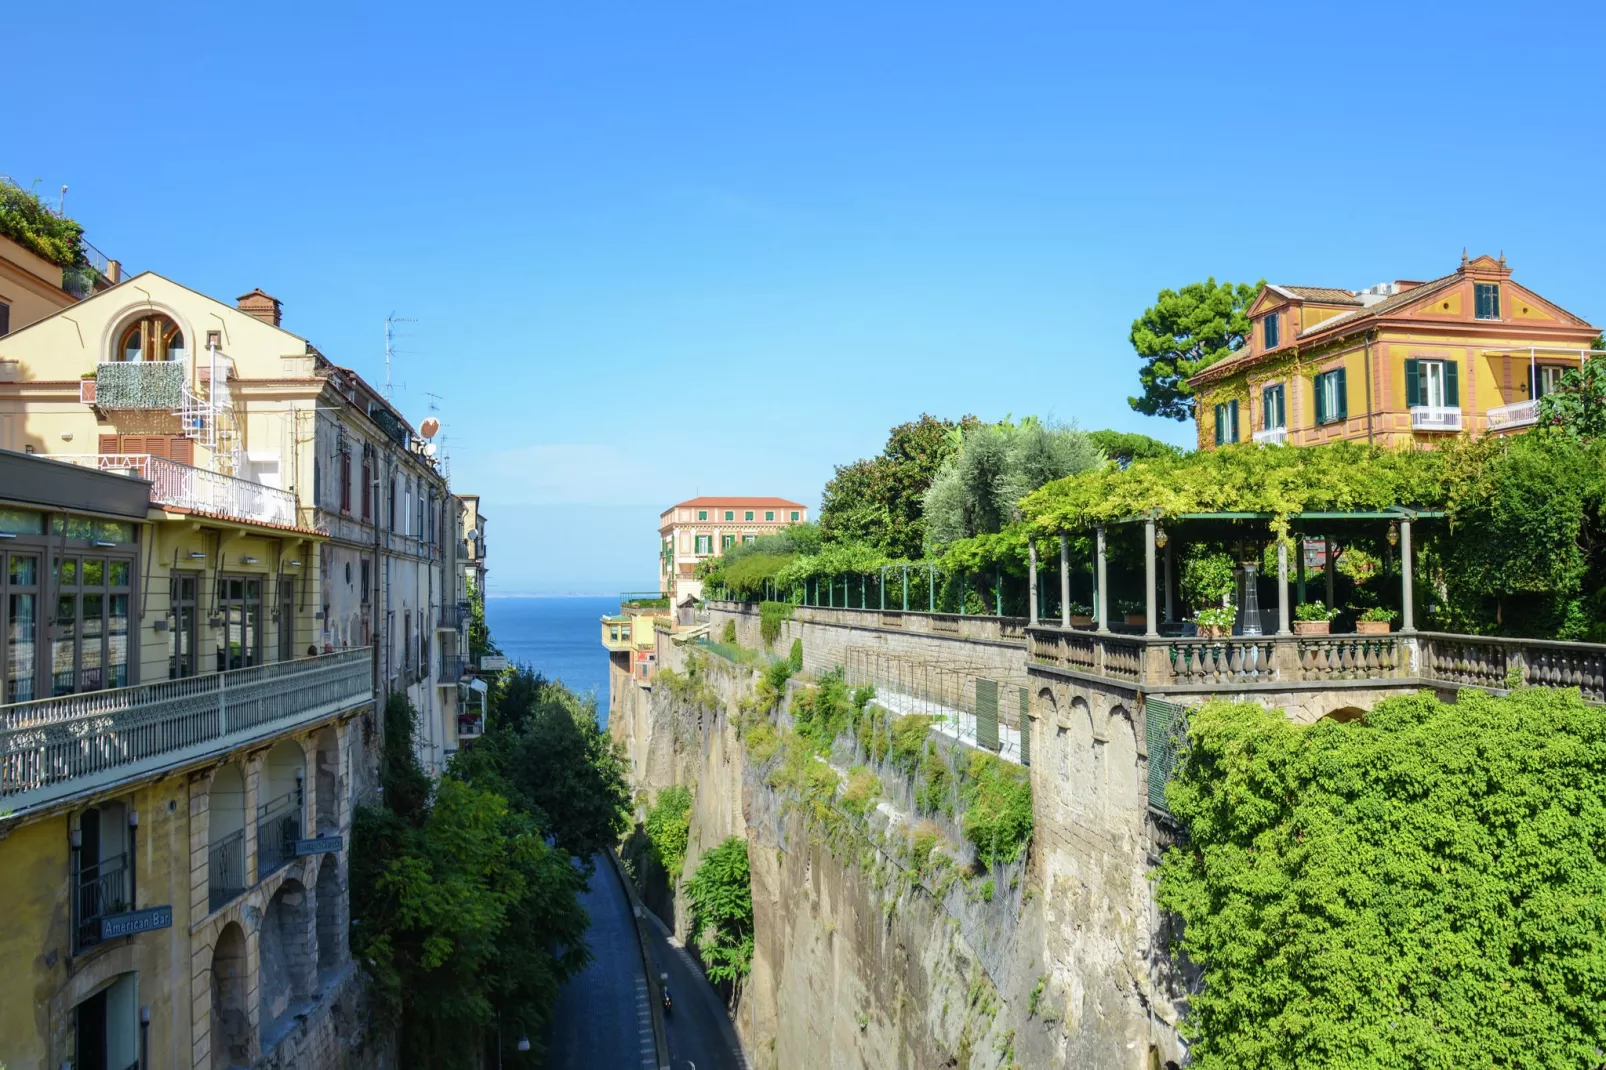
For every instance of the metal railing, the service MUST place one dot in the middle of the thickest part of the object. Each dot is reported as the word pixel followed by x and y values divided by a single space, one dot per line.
pixel 1435 418
pixel 189 487
pixel 1272 436
pixel 453 618
pixel 104 888
pixel 279 826
pixel 55 748
pixel 1517 414
pixel 453 667
pixel 225 870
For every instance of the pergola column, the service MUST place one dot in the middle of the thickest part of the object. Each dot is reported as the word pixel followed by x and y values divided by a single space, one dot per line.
pixel 1100 596
pixel 1031 575
pixel 1329 566
pixel 1282 588
pixel 1148 574
pixel 1065 585
pixel 1170 606
pixel 1407 609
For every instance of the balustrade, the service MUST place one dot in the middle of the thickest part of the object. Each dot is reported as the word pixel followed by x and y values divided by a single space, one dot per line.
pixel 1221 661
pixel 1350 657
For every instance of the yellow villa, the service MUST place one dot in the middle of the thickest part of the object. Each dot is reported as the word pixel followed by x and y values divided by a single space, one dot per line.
pixel 1469 353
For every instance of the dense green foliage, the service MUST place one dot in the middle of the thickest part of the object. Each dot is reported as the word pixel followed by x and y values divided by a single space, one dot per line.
pixel 998 808
pixel 771 615
pixel 829 707
pixel 1121 448
pixel 795 657
pixel 1578 404
pixel 1183 333
pixel 721 894
pixel 878 502
pixel 747 569
pixel 1424 888
pixel 727 634
pixel 462 915
pixel 977 491
pixel 668 829
pixel 25 220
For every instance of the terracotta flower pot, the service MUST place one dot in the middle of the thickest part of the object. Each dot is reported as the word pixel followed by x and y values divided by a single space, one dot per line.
pixel 1313 627
pixel 1373 627
pixel 1214 631
pixel 1138 620
pixel 1079 620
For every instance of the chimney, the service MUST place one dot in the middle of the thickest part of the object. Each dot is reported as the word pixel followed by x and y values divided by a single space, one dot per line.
pixel 263 306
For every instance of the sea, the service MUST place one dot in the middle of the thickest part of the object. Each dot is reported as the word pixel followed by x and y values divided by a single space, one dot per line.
pixel 561 638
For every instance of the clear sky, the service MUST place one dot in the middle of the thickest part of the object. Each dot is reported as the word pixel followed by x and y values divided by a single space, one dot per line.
pixel 655 250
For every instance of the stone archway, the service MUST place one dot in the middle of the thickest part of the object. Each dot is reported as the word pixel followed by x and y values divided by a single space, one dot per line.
pixel 331 910
pixel 287 949
pixel 231 1016
pixel 225 810
pixel 1345 715
pixel 326 782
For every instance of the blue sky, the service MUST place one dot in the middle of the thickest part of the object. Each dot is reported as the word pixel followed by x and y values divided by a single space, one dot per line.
pixel 662 250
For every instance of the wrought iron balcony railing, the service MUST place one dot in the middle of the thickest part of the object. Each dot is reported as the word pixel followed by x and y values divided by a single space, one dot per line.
pixel 1435 418
pixel 1519 414
pixel 188 487
pixel 103 888
pixel 226 869
pixel 279 826
pixel 57 748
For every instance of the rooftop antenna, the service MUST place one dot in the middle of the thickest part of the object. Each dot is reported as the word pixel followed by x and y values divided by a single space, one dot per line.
pixel 61 203
pixel 434 401
pixel 390 322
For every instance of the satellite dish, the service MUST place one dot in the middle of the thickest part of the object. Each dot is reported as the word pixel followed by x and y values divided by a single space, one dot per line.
pixel 471 534
pixel 429 427
pixel 429 449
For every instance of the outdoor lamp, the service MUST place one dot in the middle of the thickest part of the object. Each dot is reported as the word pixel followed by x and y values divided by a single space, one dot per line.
pixel 1161 538
pixel 196 555
pixel 1394 532
pixel 133 819
pixel 524 1043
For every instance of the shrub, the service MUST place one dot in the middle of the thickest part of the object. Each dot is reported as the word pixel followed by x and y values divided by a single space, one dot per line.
pixel 998 809
pixel 25 220
pixel 727 634
pixel 796 657
pixel 721 893
pixel 909 740
pixel 771 615
pixel 1378 613
pixel 669 827
pixel 1314 611
pixel 860 793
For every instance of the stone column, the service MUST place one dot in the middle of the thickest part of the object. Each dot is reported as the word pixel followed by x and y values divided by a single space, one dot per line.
pixel 1065 585
pixel 1282 588
pixel 1102 598
pixel 1170 584
pixel 1031 586
pixel 1148 577
pixel 1407 609
pixel 1329 566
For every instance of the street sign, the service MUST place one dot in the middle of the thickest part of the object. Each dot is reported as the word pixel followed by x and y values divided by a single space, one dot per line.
pixel 320 845
pixel 492 663
pixel 136 921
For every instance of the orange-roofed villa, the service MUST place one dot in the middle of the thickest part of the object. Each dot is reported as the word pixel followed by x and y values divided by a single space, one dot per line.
pixel 1470 353
pixel 706 527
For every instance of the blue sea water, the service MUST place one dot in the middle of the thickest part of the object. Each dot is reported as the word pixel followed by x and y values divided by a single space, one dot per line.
pixel 561 638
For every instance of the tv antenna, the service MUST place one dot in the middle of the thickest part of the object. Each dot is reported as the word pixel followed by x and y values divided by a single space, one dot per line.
pixel 390 348
pixel 434 401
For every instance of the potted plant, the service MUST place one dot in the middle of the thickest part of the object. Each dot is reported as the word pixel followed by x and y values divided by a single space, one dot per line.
pixel 1081 615
pixel 1215 622
pixel 1313 618
pixel 1135 612
pixel 1375 621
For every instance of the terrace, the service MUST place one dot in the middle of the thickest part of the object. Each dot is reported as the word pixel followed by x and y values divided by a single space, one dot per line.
pixel 200 490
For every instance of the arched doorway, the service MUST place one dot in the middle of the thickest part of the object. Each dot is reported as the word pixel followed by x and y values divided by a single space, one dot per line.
pixel 331 915
pixel 231 1021
pixel 285 946
pixel 226 837
pixel 281 805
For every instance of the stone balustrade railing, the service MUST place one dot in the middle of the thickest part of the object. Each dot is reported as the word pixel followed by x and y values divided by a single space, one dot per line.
pixel 56 748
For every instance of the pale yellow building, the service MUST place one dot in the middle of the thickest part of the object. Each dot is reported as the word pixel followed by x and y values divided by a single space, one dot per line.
pixel 704 527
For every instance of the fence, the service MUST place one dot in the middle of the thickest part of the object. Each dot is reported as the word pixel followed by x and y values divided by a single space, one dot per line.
pixel 279 826
pixel 226 869
pixel 1167 728
pixel 971 708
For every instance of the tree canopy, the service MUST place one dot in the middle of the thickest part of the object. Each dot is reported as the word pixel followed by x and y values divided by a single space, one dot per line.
pixel 1424 888
pixel 1181 334
pixel 879 501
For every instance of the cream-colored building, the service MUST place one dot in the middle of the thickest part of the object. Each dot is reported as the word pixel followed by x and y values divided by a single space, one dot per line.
pixel 705 527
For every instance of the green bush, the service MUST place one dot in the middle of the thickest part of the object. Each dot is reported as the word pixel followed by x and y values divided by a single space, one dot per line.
pixel 1314 611
pixel 796 656
pixel 998 809
pixel 909 740
pixel 727 634
pixel 25 220
pixel 1424 888
pixel 721 893
pixel 771 615
pixel 669 827
pixel 861 791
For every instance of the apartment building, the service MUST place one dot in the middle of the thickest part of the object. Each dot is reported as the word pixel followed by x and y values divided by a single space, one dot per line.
pixel 706 527
pixel 32 284
pixel 1470 352
pixel 177 776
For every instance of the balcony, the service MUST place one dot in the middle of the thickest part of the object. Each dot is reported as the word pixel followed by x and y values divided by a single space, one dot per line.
pixel 453 668
pixel 226 869
pixel 452 618
pixel 279 826
pixel 1272 436
pixel 202 490
pixel 103 889
pixel 1435 418
pixel 140 384
pixel 616 633
pixel 470 726
pixel 56 749
pixel 1509 417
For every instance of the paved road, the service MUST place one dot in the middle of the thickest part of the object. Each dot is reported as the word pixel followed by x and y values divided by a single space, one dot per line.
pixel 602 1020
pixel 700 1031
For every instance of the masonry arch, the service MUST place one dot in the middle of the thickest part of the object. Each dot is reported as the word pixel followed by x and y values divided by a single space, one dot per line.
pixel 225 808
pixel 1120 761
pixel 144 318
pixel 1345 714
pixel 281 799
pixel 231 1016
pixel 326 782
pixel 331 915
pixel 1081 758
pixel 287 950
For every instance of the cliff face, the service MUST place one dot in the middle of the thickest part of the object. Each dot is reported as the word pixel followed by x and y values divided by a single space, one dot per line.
pixel 871 949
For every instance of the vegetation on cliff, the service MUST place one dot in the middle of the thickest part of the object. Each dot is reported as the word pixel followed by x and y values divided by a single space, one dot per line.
pixel 721 893
pixel 668 828
pixel 1423 888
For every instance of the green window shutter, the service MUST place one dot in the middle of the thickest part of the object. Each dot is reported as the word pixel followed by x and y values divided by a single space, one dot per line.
pixel 1413 383
pixel 1219 413
pixel 1318 384
pixel 1343 394
pixel 1232 416
pixel 1452 387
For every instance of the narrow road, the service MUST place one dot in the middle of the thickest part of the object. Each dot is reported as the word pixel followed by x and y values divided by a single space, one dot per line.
pixel 602 1020
pixel 700 1031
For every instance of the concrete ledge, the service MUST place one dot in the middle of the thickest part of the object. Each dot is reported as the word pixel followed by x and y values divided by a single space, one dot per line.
pixel 654 995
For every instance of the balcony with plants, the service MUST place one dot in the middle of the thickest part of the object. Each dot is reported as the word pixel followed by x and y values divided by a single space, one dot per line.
pixel 26 219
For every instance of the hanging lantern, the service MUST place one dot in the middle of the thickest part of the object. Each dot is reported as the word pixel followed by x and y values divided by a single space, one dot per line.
pixel 1161 538
pixel 1394 532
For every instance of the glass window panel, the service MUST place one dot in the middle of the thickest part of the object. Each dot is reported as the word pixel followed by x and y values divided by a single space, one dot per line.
pixel 24 570
pixel 21 522
pixel 91 661
pixel 117 574
pixel 131 344
pixel 67 571
pixel 63 669
pixel 251 634
pixel 175 346
pixel 21 629
pixel 94 572
pixel 112 531
pixel 117 641
pixel 74 527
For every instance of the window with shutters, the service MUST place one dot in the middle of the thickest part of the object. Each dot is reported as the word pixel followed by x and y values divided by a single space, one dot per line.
pixel 152 338
pixel 367 487
pixel 1272 330
pixel 172 447
pixel 1226 423
pixel 1273 413
pixel 705 544
pixel 1432 384
pixel 1332 397
pixel 1486 299
pixel 345 482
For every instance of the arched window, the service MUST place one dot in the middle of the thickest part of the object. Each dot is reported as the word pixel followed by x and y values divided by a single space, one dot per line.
pixel 151 338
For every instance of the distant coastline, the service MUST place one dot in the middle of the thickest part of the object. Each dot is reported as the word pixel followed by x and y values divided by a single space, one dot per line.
pixel 563 594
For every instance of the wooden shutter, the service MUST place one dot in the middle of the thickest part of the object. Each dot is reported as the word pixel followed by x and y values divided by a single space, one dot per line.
pixel 1413 383
pixel 1343 394
pixel 155 445
pixel 1220 412
pixel 181 449
pixel 1452 386
pixel 345 482
pixel 1319 382
pixel 108 444
pixel 1232 411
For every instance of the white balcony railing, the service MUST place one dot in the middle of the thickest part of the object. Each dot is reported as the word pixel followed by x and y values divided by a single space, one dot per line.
pixel 188 487
pixel 56 748
pixel 1435 418
pixel 1272 436
pixel 1519 414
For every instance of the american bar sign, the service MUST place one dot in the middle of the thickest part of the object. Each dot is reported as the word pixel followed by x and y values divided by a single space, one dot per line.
pixel 136 921
pixel 321 845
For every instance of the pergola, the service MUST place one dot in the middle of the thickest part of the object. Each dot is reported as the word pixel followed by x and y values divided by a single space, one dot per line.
pixel 1227 526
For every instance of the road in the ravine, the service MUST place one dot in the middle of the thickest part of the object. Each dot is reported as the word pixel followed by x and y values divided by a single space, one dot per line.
pixel 700 1031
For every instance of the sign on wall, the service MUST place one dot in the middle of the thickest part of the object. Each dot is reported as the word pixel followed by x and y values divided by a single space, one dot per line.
pixel 136 921
pixel 320 845
pixel 492 663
